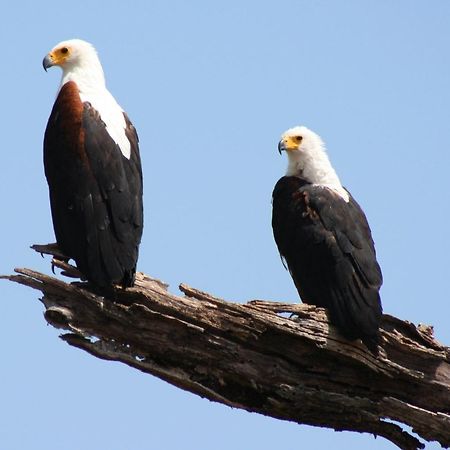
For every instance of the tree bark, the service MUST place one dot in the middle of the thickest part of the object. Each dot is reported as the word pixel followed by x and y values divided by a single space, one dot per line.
pixel 258 357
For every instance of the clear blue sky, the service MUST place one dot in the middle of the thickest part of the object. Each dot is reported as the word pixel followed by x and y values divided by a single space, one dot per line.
pixel 210 86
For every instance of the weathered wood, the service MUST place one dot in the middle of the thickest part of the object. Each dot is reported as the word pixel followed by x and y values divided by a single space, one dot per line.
pixel 256 357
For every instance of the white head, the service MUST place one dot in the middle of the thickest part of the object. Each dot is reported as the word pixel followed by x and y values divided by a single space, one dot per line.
pixel 79 62
pixel 308 159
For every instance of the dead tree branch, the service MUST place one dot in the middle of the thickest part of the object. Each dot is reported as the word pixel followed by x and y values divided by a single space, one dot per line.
pixel 255 357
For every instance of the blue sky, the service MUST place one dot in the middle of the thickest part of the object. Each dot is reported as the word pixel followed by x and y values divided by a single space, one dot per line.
pixel 210 86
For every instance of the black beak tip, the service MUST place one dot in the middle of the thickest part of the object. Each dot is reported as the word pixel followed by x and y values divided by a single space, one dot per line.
pixel 46 63
pixel 280 147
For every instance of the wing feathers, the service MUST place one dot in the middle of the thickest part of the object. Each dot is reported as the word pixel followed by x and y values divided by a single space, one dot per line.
pixel 329 250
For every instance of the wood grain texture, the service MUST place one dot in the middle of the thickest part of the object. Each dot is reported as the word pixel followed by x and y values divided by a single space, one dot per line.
pixel 257 357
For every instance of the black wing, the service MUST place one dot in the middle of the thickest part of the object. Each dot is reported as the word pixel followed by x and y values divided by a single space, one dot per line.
pixel 329 250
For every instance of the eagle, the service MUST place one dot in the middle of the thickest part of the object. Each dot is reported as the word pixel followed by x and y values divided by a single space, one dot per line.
pixel 93 169
pixel 324 238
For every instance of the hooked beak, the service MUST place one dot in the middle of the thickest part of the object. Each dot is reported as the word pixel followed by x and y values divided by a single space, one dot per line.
pixel 47 62
pixel 281 146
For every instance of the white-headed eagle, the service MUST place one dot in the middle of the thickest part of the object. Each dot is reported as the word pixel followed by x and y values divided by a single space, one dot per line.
pixel 93 170
pixel 323 235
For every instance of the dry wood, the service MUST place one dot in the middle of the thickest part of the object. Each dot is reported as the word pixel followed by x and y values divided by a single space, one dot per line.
pixel 257 357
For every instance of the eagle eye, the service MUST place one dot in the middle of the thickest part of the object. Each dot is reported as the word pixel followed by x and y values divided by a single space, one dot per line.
pixel 64 50
pixel 298 138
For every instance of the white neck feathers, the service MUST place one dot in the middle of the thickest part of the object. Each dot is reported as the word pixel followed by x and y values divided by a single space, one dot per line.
pixel 87 74
pixel 310 162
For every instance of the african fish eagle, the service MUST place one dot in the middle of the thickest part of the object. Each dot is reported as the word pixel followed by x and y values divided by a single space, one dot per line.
pixel 93 169
pixel 323 236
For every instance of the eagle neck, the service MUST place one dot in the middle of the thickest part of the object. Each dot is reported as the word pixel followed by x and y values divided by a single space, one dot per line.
pixel 315 169
pixel 88 76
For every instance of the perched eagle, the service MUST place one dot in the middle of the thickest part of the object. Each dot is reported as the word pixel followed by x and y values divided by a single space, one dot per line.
pixel 93 170
pixel 323 235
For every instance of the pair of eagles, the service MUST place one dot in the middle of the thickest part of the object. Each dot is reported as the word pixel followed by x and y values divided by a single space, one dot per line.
pixel 93 169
